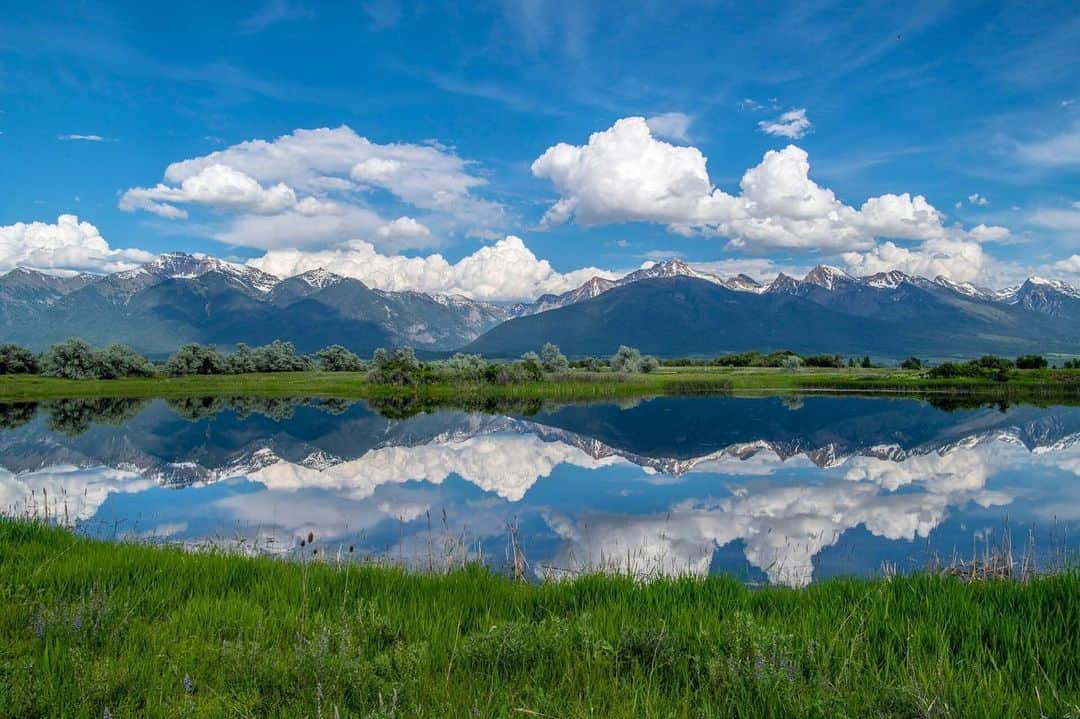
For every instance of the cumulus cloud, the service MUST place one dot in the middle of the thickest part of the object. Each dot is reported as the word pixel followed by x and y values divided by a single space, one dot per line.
pixel 956 259
pixel 506 270
pixel 336 170
pixel 626 174
pixel 66 245
pixel 223 188
pixel 671 126
pixel 792 124
pixel 404 227
pixel 976 199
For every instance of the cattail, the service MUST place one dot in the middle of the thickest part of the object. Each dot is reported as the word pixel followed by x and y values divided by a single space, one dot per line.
pixel 350 549
pixel 310 537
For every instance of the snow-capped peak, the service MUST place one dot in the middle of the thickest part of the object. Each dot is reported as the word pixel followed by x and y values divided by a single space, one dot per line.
pixel 320 278
pixel 1056 285
pixel 671 268
pixel 964 288
pixel 180 265
pixel 827 276
pixel 886 280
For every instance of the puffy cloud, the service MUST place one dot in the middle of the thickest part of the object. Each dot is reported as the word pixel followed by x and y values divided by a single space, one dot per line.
pixel 506 270
pixel 223 188
pixel 959 260
pixel 404 227
pixel 792 124
pixel 67 245
pixel 626 174
pixel 1070 265
pixel 337 169
pixel 976 199
pixel 671 126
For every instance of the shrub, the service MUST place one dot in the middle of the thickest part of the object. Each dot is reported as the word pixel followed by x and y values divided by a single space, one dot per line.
pixel 823 361
pixel 119 360
pixel 195 359
pixel 792 362
pixel 911 363
pixel 553 360
pixel 626 359
pixel 1031 362
pixel 399 367
pixel 71 359
pixel 336 358
pixel 17 360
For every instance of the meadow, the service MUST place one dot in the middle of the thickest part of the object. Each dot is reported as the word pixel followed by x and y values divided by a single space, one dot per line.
pixel 91 629
pixel 568 385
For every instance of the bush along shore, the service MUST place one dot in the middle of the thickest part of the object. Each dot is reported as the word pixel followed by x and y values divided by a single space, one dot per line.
pixel 94 630
pixel 75 369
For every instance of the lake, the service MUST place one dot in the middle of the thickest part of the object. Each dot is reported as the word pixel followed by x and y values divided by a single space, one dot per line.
pixel 770 489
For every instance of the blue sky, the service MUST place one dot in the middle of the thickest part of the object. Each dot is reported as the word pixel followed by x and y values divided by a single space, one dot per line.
pixel 436 114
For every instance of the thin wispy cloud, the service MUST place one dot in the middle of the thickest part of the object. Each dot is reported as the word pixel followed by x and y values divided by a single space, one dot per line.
pixel 81 138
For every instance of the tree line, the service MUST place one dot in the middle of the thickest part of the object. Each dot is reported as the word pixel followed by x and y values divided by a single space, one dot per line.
pixel 77 359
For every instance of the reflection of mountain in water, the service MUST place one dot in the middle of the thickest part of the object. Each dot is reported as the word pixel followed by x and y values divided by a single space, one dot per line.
pixel 185 441
pixel 893 467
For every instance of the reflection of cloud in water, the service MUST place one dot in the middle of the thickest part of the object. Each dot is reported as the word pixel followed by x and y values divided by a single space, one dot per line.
pixel 76 491
pixel 784 526
pixel 505 464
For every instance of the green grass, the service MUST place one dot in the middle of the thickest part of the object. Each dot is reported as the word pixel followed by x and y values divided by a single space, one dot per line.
pixel 87 627
pixel 577 385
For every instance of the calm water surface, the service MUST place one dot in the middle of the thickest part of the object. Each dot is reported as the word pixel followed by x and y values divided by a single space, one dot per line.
pixel 782 490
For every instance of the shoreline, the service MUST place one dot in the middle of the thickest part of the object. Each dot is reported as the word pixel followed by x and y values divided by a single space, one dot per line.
pixel 1034 385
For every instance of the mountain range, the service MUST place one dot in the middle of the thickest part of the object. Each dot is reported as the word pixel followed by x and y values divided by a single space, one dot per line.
pixel 673 309
pixel 179 298
pixel 667 309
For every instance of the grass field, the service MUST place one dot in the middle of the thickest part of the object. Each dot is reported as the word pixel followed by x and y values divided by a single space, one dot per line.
pixel 89 629
pixel 575 385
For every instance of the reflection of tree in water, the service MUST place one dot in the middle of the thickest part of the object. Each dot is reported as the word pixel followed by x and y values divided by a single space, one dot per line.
pixel 793 402
pixel 16 414
pixel 74 416
pixel 275 408
pixel 955 403
pixel 405 406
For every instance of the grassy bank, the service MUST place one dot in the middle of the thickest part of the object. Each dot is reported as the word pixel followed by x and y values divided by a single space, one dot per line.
pixel 575 385
pixel 87 627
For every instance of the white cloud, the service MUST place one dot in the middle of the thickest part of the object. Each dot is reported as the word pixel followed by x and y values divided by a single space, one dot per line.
pixel 958 260
pixel 66 245
pixel 1061 150
pixel 1067 220
pixel 337 171
pixel 404 227
pixel 625 174
pixel 671 126
pixel 976 199
pixel 83 138
pixel 507 270
pixel 792 124
pixel 222 188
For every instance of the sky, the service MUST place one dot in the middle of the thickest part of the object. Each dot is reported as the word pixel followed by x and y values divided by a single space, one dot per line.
pixel 506 149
